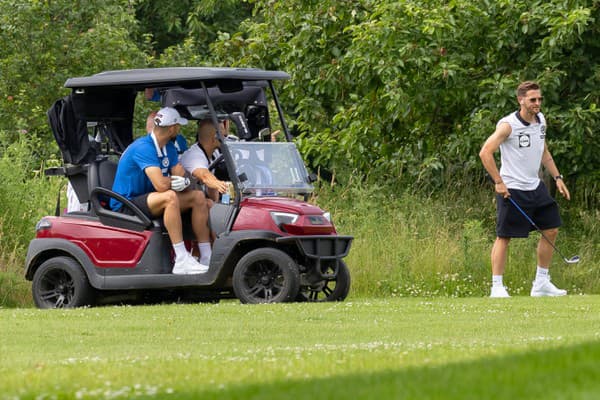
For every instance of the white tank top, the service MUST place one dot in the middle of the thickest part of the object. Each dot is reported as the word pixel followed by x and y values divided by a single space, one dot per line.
pixel 521 152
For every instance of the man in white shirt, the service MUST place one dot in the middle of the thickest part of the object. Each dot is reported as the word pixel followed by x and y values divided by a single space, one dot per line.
pixel 520 137
pixel 198 157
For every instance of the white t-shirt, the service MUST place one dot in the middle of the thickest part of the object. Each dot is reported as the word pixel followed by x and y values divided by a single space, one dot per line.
pixel 521 152
pixel 73 203
pixel 195 157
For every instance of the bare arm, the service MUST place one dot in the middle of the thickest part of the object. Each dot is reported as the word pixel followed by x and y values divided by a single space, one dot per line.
pixel 491 145
pixel 161 183
pixel 211 181
pixel 178 170
pixel 548 163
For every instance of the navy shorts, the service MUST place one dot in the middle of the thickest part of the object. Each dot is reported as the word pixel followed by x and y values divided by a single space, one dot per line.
pixel 142 203
pixel 537 204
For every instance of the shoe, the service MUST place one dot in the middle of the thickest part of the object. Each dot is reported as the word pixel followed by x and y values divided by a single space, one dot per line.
pixel 499 292
pixel 546 288
pixel 189 266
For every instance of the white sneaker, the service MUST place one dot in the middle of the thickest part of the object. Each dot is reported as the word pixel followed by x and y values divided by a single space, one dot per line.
pixel 546 288
pixel 189 266
pixel 499 292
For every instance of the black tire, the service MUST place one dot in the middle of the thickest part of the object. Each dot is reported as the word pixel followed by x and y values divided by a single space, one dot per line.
pixel 332 289
pixel 60 282
pixel 266 275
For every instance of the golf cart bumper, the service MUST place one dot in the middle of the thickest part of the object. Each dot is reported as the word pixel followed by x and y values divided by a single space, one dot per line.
pixel 320 248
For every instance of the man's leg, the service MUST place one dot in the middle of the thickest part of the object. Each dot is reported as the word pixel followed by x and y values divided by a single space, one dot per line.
pixel 542 285
pixel 499 254
pixel 167 204
pixel 196 201
pixel 545 249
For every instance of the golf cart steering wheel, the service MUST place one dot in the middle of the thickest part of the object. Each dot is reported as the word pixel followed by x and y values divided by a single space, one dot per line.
pixel 215 162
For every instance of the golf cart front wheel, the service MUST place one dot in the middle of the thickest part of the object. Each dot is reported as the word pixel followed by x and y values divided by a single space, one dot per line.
pixel 60 282
pixel 266 275
pixel 335 288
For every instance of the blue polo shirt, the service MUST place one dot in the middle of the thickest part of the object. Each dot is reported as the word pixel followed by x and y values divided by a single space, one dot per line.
pixel 180 144
pixel 131 179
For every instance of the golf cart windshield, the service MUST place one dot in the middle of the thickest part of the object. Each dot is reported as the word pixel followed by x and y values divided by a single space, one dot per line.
pixel 267 168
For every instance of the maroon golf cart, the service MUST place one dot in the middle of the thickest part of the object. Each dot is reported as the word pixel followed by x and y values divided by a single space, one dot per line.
pixel 270 244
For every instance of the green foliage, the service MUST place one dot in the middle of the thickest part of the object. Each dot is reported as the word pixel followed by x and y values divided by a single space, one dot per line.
pixel 23 179
pixel 25 195
pixel 163 21
pixel 412 89
pixel 46 42
pixel 176 27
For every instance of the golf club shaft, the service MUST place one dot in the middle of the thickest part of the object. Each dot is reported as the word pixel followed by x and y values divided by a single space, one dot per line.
pixel 514 203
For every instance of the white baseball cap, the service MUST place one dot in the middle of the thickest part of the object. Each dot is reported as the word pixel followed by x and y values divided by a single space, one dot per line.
pixel 168 116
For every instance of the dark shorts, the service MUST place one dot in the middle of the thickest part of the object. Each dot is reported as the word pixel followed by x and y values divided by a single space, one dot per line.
pixel 142 203
pixel 537 204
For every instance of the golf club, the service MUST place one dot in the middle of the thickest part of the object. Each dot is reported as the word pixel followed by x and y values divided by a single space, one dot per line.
pixel 572 260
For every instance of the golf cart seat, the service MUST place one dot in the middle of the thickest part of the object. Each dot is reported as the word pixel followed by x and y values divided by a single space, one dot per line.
pixel 101 175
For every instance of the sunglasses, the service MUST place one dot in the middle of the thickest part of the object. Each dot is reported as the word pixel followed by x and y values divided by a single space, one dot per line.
pixel 535 99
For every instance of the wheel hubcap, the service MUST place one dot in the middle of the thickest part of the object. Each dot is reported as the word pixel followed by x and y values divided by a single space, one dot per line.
pixel 264 281
pixel 57 289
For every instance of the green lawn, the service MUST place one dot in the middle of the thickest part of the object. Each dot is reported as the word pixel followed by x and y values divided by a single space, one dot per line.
pixel 440 348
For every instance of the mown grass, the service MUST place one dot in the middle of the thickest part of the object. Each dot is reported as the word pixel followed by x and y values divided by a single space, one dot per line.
pixel 436 348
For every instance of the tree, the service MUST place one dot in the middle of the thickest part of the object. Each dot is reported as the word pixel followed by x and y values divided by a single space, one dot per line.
pixel 412 88
pixel 185 29
pixel 45 42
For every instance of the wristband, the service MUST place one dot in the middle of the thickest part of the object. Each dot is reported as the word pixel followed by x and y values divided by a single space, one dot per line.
pixel 557 177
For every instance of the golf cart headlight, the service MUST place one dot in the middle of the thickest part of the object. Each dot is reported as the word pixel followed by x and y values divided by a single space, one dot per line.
pixel 43 224
pixel 327 216
pixel 281 218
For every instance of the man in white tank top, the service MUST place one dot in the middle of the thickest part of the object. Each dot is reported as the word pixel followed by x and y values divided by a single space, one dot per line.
pixel 520 137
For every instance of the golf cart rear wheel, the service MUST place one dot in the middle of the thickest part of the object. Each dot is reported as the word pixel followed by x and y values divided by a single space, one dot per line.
pixel 331 289
pixel 266 275
pixel 61 283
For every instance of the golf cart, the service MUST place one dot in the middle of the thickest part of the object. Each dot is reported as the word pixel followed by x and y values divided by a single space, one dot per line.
pixel 270 244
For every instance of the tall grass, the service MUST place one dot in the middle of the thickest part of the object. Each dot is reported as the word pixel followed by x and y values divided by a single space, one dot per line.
pixel 411 244
pixel 25 196
pixel 407 242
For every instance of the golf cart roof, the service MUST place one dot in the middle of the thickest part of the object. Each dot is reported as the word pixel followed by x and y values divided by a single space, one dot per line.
pixel 188 77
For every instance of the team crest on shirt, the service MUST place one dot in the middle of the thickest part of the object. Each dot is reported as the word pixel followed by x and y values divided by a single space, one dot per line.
pixel 524 140
pixel 165 162
pixel 542 131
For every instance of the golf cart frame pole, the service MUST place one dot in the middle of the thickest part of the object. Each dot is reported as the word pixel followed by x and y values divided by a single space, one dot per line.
pixel 235 180
pixel 286 131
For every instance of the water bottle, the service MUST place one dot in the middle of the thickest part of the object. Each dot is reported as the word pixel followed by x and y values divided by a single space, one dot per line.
pixel 225 198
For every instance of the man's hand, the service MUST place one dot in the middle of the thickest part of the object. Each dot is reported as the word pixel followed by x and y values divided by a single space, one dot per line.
pixel 210 180
pixel 179 183
pixel 222 187
pixel 501 189
pixel 562 189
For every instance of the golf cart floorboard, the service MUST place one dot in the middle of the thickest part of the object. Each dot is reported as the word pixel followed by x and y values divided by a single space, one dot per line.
pixel 156 281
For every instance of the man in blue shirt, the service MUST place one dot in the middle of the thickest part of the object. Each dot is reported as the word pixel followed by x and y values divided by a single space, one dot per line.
pixel 150 175
pixel 180 141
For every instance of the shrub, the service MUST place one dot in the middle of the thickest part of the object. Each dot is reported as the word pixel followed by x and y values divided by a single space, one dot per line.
pixel 26 195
